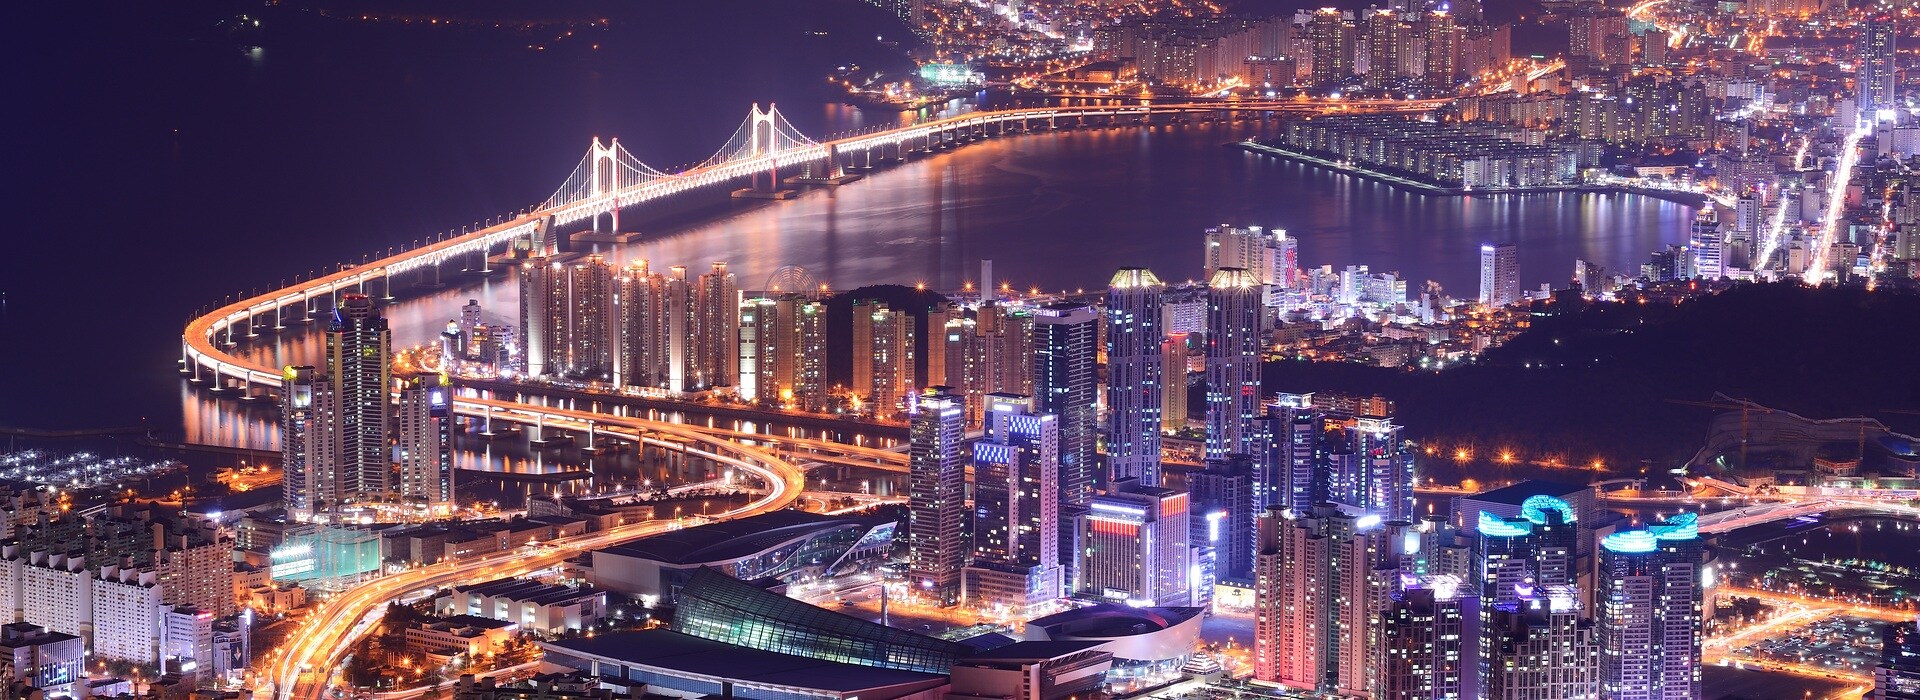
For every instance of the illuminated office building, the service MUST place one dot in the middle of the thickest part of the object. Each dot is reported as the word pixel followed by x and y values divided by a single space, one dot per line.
pixel 1065 384
pixel 1135 380
pixel 1233 361
pixel 1135 543
pixel 1016 520
pixel 1878 69
pixel 936 502
pixel 1224 513
pixel 358 351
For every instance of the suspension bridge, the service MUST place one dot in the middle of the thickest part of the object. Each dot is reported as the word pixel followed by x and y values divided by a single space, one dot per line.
pixel 608 179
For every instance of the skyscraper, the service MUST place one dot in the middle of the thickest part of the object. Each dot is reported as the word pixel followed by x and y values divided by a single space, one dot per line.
pixel 1330 36
pixel 1424 637
pixel 309 441
pixel 1233 360
pixel 1388 47
pixel 1875 77
pixel 716 327
pixel 1016 523
pixel 589 321
pixel 424 421
pixel 567 314
pixel 358 352
pixel 1135 384
pixel 543 310
pixel 1173 373
pixel 1897 677
pixel 1708 246
pixel 1065 384
pixel 1499 275
pixel 640 301
pixel 936 503
pixel 1135 545
pixel 1443 49
pixel 883 372
pixel 992 352
pixel 1533 642
pixel 1649 596
pixel 1223 514
pixel 1322 580
pixel 783 351
pixel 1287 478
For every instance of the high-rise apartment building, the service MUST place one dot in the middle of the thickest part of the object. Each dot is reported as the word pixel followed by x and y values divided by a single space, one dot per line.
pixel 1424 637
pixel 1499 275
pixel 643 353
pixel 1875 78
pixel 1322 581
pixel 1330 36
pixel 422 448
pixel 1173 372
pixel 1442 39
pixel 1389 47
pixel 567 318
pixel 1136 386
pixel 936 503
pixel 309 441
pixel 783 351
pixel 716 327
pixel 1233 361
pixel 1272 257
pixel 990 353
pixel 883 357
pixel 358 351
pixel 1649 597
pixel 1135 545
pixel 1016 514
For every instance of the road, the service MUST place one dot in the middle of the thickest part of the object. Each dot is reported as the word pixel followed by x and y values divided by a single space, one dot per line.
pixel 305 669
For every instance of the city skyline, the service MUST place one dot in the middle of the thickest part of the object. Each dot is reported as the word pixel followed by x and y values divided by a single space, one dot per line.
pixel 1027 352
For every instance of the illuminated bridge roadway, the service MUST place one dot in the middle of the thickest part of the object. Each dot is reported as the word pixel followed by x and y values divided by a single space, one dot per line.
pixel 302 669
pixel 607 180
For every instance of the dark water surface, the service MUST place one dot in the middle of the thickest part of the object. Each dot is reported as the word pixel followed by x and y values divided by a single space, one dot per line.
pixel 169 166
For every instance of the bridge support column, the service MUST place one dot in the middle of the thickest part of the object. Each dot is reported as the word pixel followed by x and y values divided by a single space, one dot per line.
pixel 252 332
pixel 590 448
pixel 536 435
pixel 229 333
pixel 486 426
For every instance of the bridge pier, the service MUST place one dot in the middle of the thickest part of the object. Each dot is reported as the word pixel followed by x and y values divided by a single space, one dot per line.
pixel 279 316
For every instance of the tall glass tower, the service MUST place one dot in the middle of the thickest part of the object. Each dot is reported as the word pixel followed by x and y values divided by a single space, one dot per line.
pixel 1065 385
pixel 1135 386
pixel 936 501
pixel 358 349
pixel 1233 361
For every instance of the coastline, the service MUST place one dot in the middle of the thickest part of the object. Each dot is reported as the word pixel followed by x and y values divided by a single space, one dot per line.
pixel 1418 187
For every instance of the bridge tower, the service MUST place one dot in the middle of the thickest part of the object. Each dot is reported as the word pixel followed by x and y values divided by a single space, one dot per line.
pixel 603 162
pixel 760 132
